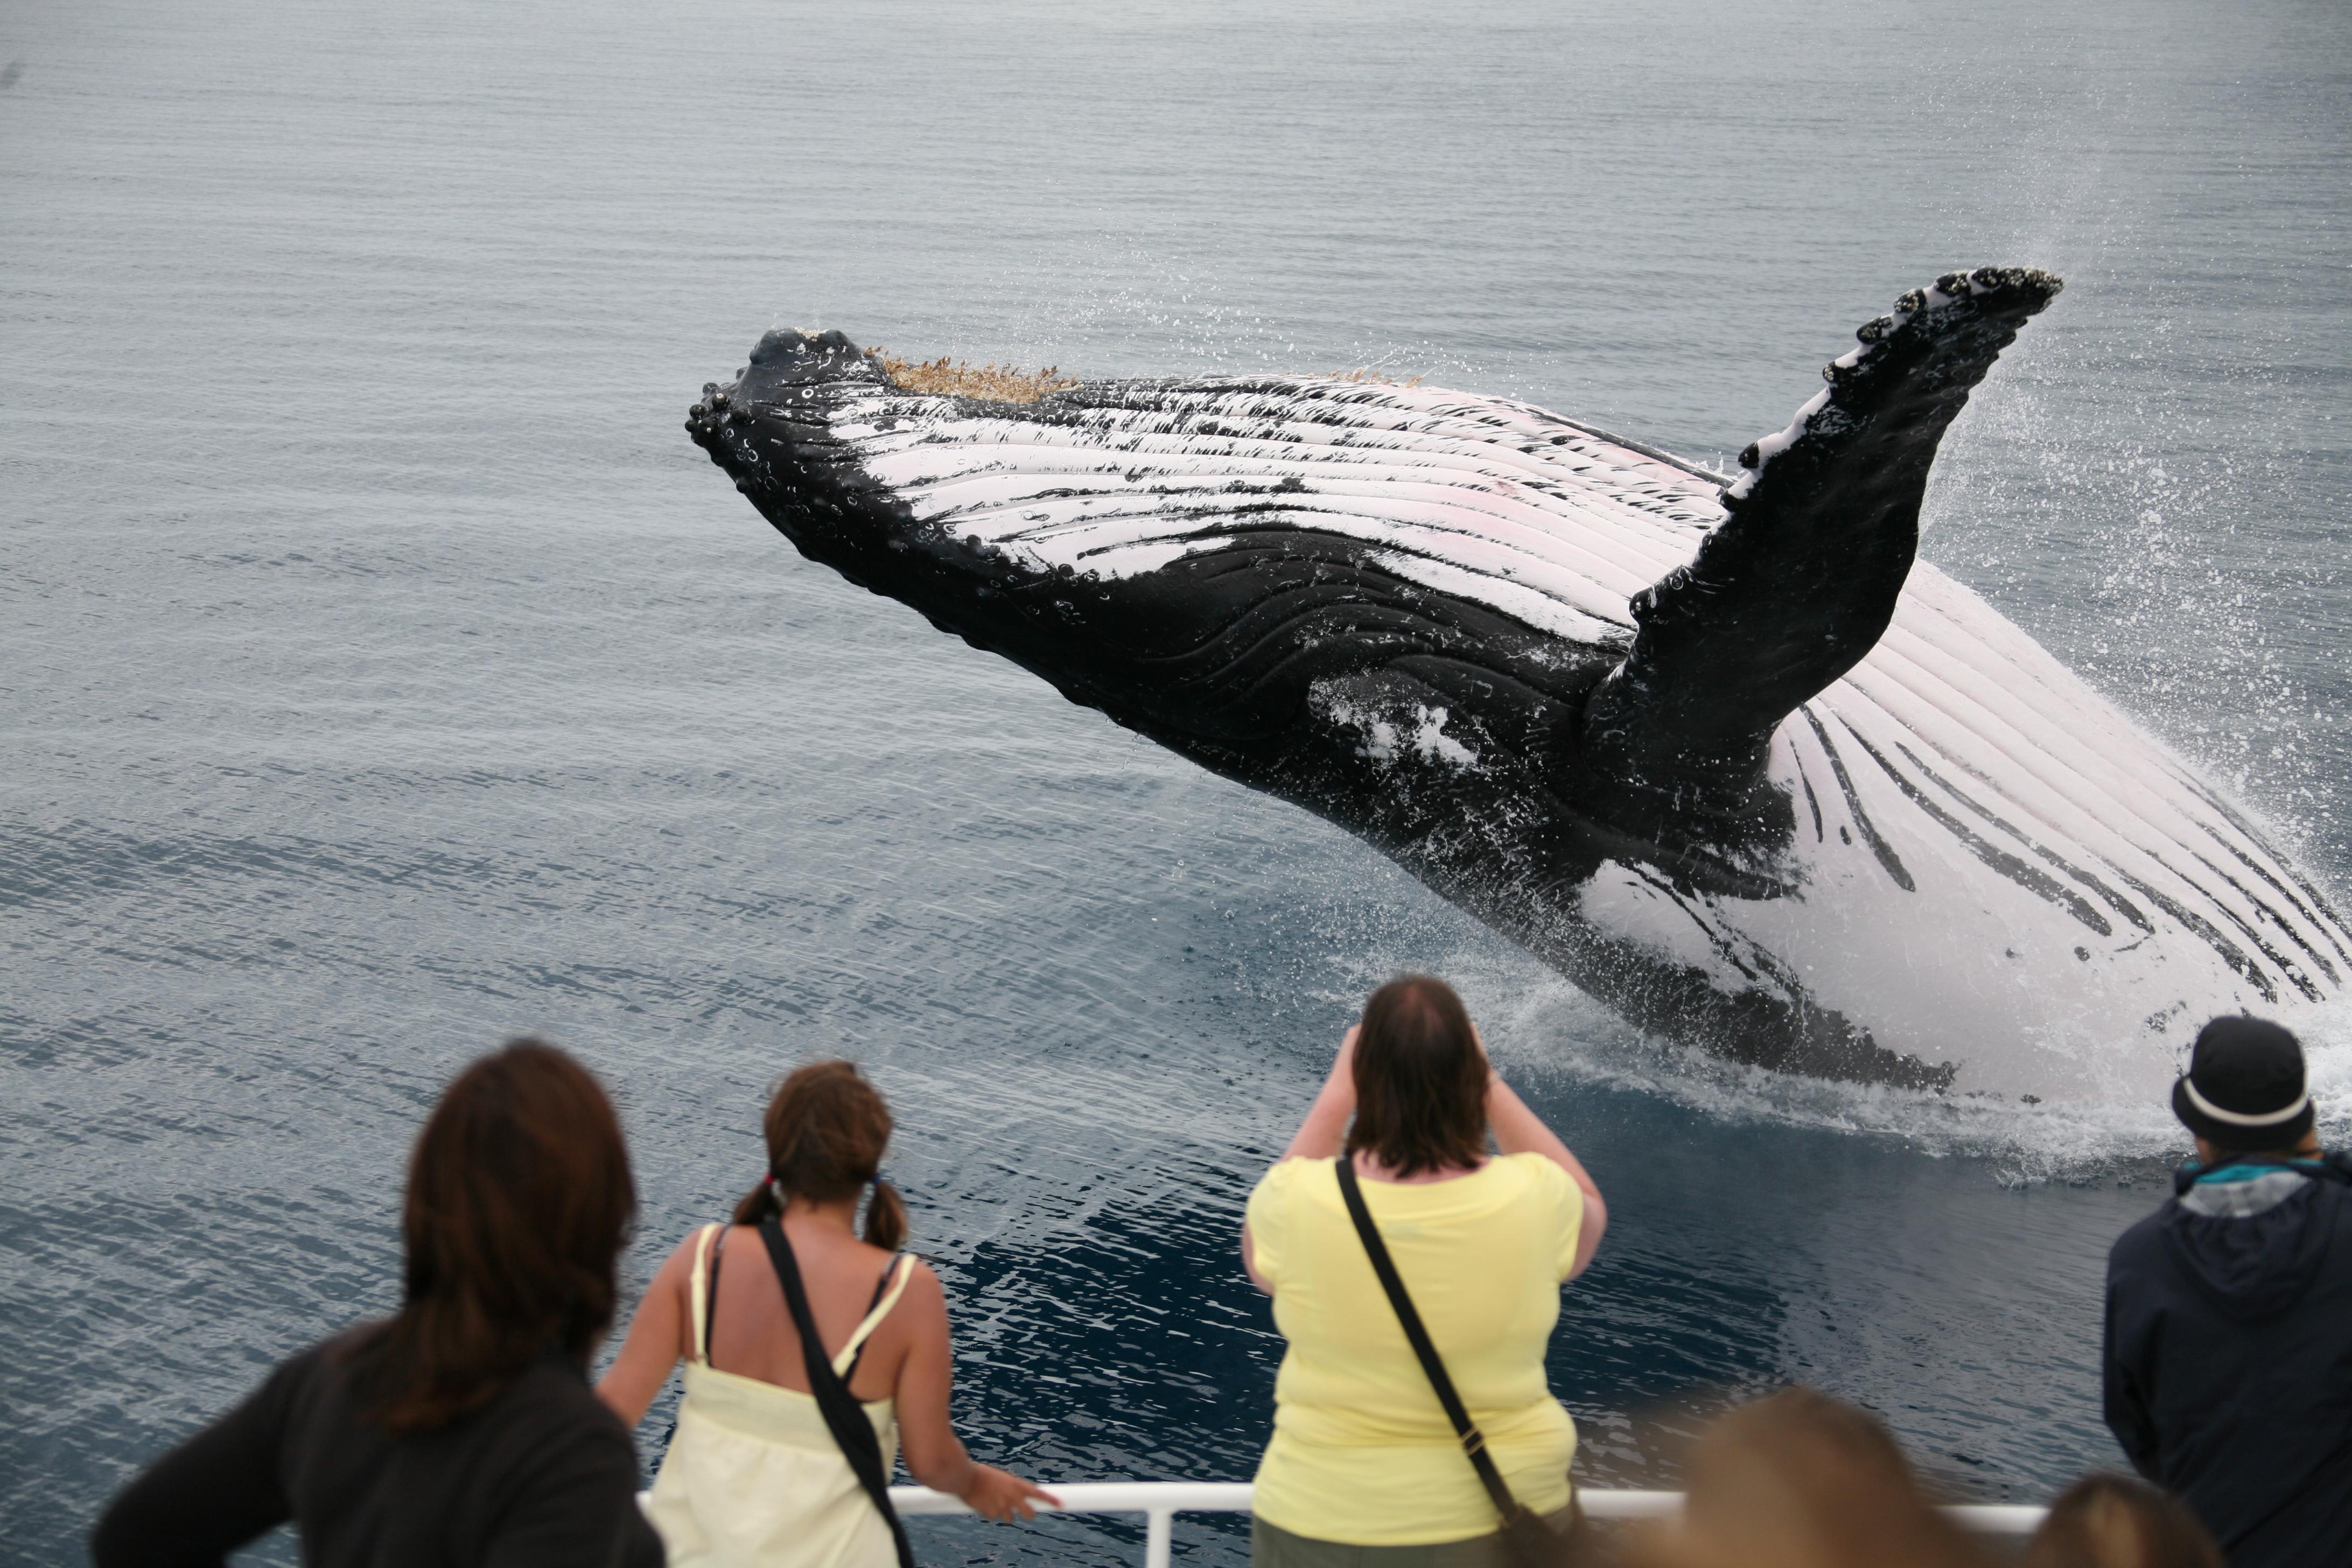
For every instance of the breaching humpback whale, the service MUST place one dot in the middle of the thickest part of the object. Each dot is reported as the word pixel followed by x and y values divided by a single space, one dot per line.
pixel 1720 751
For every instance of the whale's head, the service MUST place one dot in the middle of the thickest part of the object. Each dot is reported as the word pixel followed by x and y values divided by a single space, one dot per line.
pixel 1235 567
pixel 819 437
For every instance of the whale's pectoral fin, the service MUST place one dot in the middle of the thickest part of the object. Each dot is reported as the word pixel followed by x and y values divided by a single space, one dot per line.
pixel 1793 589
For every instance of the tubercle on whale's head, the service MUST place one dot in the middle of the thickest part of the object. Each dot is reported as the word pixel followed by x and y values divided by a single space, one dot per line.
pixel 768 430
pixel 787 362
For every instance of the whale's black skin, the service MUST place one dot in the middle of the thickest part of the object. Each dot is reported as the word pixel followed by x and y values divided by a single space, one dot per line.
pixel 1648 752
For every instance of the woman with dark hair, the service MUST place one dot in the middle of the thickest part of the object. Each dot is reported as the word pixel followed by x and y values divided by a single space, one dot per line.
pixel 461 1431
pixel 809 1355
pixel 1368 1466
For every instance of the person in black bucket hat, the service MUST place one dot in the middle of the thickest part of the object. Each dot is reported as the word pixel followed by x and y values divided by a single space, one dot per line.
pixel 2228 1364
pixel 2244 1088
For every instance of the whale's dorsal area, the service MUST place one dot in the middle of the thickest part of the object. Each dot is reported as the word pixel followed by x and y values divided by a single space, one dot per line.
pixel 1719 750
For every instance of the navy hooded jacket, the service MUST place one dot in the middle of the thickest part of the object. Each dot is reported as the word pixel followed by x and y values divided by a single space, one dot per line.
pixel 2229 1355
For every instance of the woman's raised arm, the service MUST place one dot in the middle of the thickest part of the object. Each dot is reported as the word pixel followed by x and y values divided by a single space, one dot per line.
pixel 1324 1132
pixel 656 1340
pixel 1320 1136
pixel 1519 1131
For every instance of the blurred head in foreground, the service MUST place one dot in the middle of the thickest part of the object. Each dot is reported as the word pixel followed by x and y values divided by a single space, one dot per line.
pixel 520 1200
pixel 2117 1522
pixel 1798 1480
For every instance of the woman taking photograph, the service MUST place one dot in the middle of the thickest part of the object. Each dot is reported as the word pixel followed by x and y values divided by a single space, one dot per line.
pixel 461 1431
pixel 810 1356
pixel 1364 1454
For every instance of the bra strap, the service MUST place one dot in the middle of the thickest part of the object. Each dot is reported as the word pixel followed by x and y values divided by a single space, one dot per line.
pixel 701 1298
pixel 901 1268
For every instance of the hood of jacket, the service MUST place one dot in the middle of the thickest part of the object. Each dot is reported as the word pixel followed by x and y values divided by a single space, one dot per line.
pixel 2255 1265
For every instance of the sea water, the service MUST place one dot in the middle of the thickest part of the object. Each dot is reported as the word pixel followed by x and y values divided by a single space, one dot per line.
pixel 383 673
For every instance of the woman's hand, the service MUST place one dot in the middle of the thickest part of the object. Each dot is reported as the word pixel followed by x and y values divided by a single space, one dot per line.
pixel 1003 1496
pixel 934 1454
pixel 1519 1131
pixel 1340 1081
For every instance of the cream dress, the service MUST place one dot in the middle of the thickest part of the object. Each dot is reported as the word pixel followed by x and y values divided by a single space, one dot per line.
pixel 753 1478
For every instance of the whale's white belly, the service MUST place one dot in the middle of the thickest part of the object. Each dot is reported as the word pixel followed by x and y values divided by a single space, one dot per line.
pixel 2025 813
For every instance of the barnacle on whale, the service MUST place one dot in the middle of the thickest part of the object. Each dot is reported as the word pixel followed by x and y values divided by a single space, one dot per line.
pixel 957 378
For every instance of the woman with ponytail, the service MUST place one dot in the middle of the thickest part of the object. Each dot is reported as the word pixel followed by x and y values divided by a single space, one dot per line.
pixel 811 1356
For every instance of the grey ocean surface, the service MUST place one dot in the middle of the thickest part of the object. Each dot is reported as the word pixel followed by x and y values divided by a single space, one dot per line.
pixel 381 671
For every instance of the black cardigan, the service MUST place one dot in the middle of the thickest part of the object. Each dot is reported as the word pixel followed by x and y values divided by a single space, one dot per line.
pixel 543 1475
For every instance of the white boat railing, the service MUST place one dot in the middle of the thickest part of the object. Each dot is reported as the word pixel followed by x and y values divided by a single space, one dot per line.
pixel 1160 1501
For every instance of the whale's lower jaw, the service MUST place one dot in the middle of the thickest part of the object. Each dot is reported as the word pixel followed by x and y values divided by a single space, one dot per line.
pixel 1781 1028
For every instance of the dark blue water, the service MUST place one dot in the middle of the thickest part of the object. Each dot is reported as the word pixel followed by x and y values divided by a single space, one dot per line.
pixel 383 673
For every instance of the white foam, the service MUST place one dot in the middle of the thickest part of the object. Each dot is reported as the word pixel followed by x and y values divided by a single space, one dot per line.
pixel 1546 1026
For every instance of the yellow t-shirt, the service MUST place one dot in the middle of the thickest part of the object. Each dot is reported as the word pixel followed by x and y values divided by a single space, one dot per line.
pixel 1362 1452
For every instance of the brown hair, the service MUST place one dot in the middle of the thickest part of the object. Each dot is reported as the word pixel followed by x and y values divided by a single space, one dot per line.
pixel 1801 1480
pixel 520 1200
pixel 2108 1520
pixel 1420 1080
pixel 826 1129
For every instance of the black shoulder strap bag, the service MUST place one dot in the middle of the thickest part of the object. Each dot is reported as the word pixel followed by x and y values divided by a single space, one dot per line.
pixel 1527 1541
pixel 844 1415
